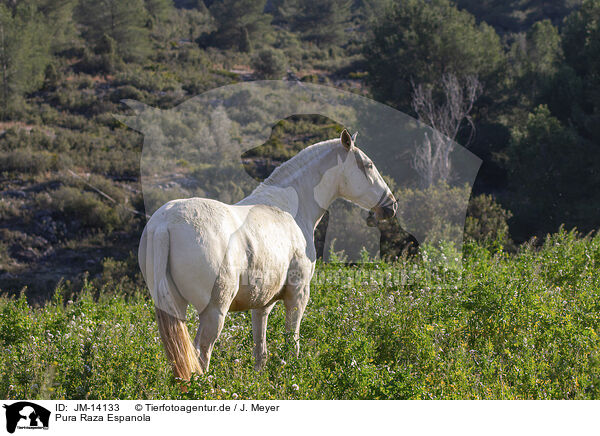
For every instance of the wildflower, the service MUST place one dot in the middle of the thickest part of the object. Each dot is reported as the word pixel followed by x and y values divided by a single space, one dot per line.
pixel 283 362
pixel 295 387
pixel 234 395
pixel 236 361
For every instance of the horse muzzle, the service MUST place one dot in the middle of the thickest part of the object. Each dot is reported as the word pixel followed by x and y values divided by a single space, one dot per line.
pixel 385 209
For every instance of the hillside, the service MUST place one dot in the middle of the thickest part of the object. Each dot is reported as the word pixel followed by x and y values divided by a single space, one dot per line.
pixel 70 193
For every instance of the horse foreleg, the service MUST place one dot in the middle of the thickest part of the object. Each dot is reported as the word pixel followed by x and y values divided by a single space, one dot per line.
pixel 295 302
pixel 211 322
pixel 259 335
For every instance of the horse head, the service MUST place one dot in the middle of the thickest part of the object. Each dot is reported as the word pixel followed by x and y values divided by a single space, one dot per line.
pixel 361 183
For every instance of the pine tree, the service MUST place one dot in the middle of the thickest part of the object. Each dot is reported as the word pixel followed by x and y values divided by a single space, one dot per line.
pixel 320 21
pixel 123 21
pixel 58 19
pixel 158 9
pixel 417 42
pixel 24 53
pixel 239 24
pixel 535 58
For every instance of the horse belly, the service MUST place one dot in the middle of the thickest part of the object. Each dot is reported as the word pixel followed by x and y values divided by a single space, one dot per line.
pixel 268 255
pixel 259 286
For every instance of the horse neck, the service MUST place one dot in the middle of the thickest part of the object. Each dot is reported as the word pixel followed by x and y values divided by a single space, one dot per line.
pixel 305 173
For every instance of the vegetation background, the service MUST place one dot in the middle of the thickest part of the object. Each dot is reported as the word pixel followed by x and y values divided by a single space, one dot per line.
pixel 523 322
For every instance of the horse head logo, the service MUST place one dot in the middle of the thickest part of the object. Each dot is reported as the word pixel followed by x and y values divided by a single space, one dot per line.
pixel 26 414
pixel 195 149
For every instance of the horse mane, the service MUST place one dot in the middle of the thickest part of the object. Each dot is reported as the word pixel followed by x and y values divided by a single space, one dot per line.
pixel 299 162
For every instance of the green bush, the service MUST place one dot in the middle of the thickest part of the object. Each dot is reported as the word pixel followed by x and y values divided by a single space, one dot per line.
pixel 27 161
pixel 435 211
pixel 269 64
pixel 86 208
pixel 126 92
pixel 121 276
pixel 487 221
pixel 148 79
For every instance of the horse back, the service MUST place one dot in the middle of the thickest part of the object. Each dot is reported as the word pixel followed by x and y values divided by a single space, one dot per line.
pixel 214 245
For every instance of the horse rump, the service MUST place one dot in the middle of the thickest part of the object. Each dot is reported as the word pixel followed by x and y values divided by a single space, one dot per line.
pixel 153 258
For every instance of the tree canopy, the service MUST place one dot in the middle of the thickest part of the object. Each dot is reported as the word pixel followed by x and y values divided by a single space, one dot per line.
pixel 418 42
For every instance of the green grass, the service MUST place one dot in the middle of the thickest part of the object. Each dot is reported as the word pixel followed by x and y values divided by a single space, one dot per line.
pixel 515 326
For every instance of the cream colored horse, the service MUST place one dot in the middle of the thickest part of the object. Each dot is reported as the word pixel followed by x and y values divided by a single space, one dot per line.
pixel 247 256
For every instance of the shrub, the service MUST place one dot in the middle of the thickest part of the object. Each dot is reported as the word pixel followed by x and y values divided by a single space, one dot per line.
pixel 436 212
pixel 126 92
pixel 85 207
pixel 27 161
pixel 269 64
pixel 487 221
pixel 121 275
pixel 151 80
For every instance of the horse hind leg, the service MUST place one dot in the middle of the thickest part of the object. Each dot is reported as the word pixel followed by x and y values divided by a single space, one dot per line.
pixel 259 335
pixel 210 322
pixel 212 318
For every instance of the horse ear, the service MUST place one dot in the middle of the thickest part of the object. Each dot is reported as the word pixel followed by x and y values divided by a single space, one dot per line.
pixel 346 139
pixel 354 137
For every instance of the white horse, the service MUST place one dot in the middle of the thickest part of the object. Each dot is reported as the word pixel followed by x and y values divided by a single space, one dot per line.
pixel 247 256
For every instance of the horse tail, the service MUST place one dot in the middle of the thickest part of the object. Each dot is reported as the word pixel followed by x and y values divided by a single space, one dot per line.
pixel 178 345
pixel 170 312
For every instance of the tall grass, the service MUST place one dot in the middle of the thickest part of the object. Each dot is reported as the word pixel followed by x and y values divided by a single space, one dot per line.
pixel 498 326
